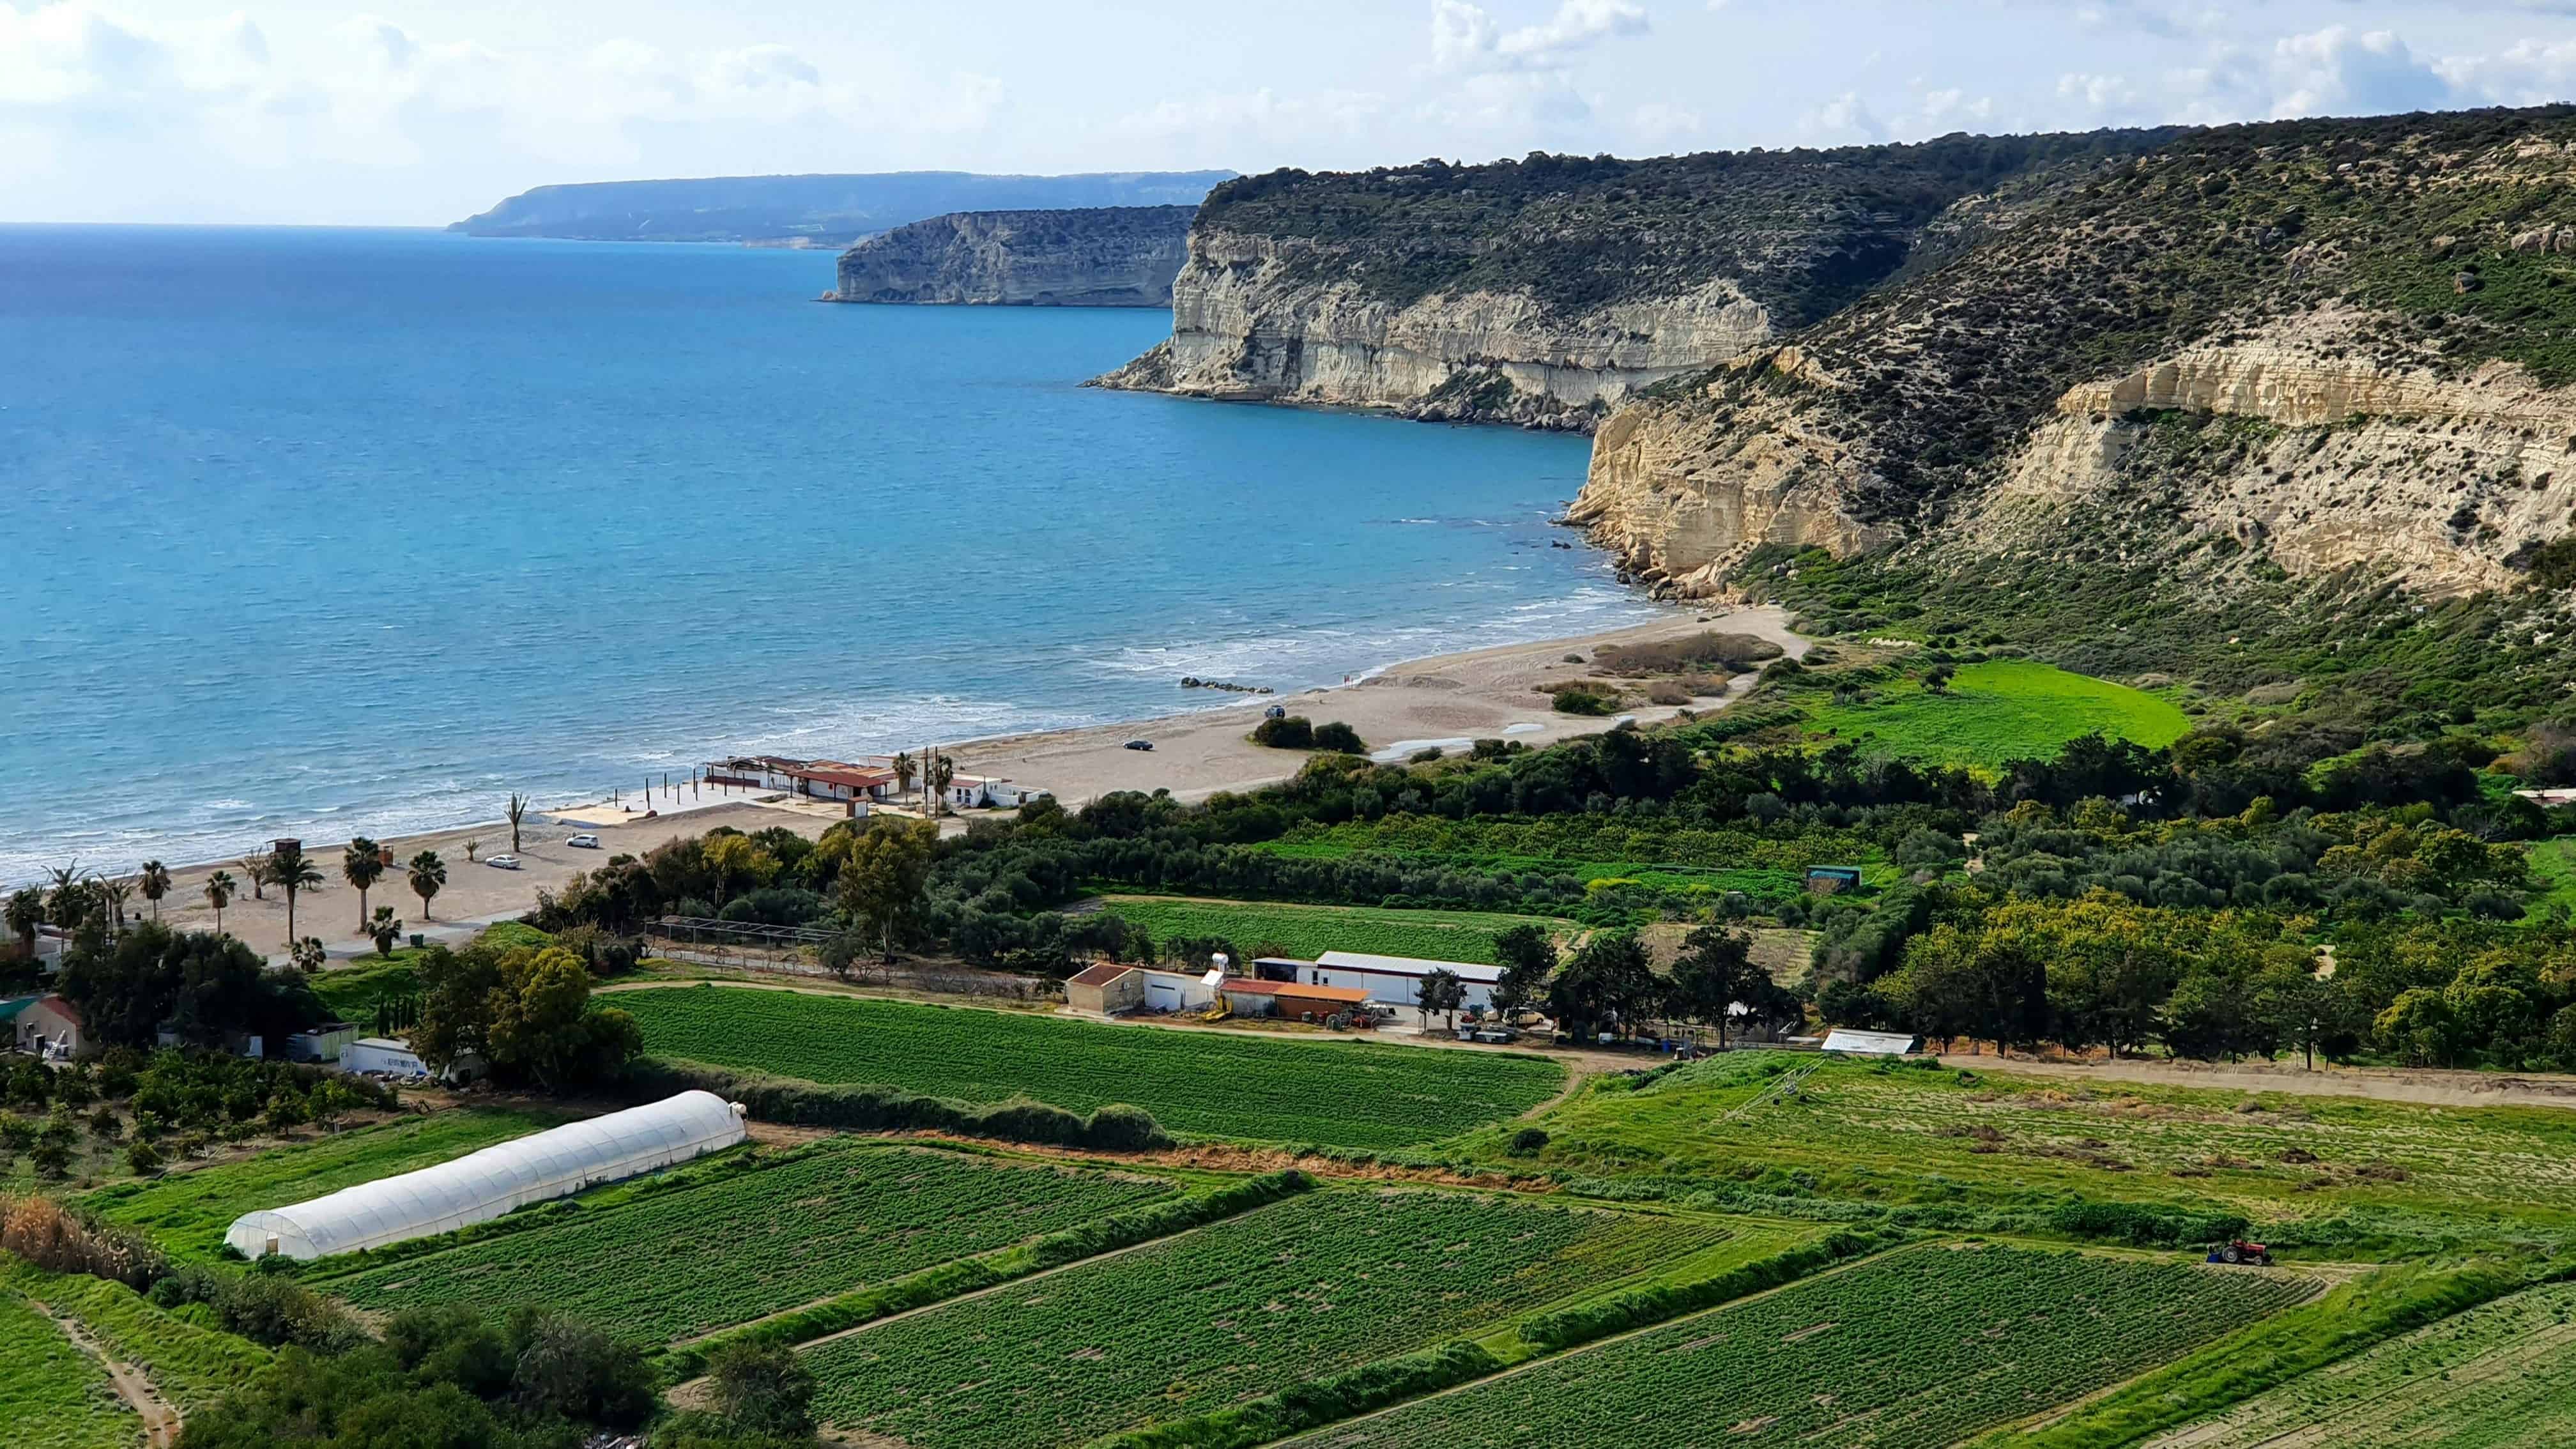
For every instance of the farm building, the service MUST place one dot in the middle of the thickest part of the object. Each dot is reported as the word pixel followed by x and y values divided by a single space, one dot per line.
pixel 1105 988
pixel 381 1056
pixel 1293 1000
pixel 1832 880
pixel 483 1185
pixel 51 1027
pixel 321 1043
pixel 1393 980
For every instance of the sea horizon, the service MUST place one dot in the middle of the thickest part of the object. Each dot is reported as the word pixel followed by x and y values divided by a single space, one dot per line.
pixel 342 531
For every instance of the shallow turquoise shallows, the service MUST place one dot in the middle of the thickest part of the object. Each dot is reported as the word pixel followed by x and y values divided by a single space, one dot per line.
pixel 337 531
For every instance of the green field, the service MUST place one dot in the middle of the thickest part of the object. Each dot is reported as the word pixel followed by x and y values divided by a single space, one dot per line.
pixel 1233 1311
pixel 1307 932
pixel 52 1395
pixel 187 1212
pixel 353 990
pixel 744 1244
pixel 1915 1350
pixel 1990 1137
pixel 2553 869
pixel 1330 1093
pixel 2003 709
pixel 2500 1376
pixel 190 1364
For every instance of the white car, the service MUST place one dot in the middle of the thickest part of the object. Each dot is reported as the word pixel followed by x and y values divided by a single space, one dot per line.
pixel 585 841
pixel 502 862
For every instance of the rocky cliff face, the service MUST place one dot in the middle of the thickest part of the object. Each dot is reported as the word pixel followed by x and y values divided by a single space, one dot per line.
pixel 1112 256
pixel 1244 329
pixel 1545 292
pixel 2326 343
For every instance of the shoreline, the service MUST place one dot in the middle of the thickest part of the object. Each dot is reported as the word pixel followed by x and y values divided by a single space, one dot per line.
pixel 1398 707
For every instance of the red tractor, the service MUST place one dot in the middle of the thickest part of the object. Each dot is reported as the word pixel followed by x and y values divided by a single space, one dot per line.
pixel 2240 1251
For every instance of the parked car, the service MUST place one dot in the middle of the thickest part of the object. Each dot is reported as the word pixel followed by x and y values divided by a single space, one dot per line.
pixel 1140 744
pixel 502 862
pixel 1276 711
pixel 584 841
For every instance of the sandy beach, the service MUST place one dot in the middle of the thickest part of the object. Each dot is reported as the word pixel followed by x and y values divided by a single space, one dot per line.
pixel 1445 700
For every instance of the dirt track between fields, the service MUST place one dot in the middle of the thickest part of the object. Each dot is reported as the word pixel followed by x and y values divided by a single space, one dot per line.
pixel 2419 1085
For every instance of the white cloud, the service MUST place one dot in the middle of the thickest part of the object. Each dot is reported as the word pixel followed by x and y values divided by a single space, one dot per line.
pixel 1465 39
pixel 1844 118
pixel 2335 71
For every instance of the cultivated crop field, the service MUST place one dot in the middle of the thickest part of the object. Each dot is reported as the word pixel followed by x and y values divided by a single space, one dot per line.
pixel 1331 1093
pixel 2004 709
pixel 745 1244
pixel 186 1212
pixel 1914 1350
pixel 2500 1376
pixel 2270 1155
pixel 1309 931
pixel 52 1395
pixel 1233 1311
pixel 190 1364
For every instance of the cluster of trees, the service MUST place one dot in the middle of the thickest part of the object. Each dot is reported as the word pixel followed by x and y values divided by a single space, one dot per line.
pixel 167 1104
pixel 207 988
pixel 1609 983
pixel 524 1010
pixel 2103 970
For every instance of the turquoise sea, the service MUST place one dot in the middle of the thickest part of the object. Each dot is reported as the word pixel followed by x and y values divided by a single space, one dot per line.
pixel 327 532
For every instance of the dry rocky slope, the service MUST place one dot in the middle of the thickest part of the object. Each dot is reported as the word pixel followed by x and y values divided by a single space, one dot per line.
pixel 1109 256
pixel 1545 291
pixel 2312 345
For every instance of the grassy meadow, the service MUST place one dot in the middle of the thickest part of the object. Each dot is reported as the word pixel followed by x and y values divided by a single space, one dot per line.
pixel 1990 713
pixel 1309 931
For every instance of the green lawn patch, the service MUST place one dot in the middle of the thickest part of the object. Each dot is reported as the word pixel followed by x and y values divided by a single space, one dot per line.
pixel 1334 1093
pixel 190 1364
pixel 1309 931
pixel 2001 710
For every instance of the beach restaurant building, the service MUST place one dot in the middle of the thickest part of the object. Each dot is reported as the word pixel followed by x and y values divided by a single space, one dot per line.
pixel 835 780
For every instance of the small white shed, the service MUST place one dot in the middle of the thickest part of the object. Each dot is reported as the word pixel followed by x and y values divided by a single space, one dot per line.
pixel 1868 1043
pixel 382 1055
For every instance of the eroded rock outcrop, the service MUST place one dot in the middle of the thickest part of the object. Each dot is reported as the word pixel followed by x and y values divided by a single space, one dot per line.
pixel 1111 256
pixel 2336 344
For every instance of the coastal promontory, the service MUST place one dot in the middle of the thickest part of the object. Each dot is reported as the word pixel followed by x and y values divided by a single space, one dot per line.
pixel 1103 256
pixel 1548 290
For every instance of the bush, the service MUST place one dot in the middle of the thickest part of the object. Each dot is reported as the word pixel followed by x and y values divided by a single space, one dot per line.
pixel 1730 653
pixel 1340 737
pixel 1285 732
pixel 1528 1142
pixel 1583 699
pixel 59 1240
pixel 1114 1128
pixel 2146 1225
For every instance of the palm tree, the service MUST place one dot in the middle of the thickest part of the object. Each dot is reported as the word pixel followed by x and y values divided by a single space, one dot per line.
pixel 362 865
pixel 111 896
pixel 292 871
pixel 942 770
pixel 518 810
pixel 905 767
pixel 154 883
pixel 428 873
pixel 384 928
pixel 70 901
pixel 255 870
pixel 219 894
pixel 26 912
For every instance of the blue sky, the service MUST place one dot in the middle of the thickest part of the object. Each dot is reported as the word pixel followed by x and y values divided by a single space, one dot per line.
pixel 418 113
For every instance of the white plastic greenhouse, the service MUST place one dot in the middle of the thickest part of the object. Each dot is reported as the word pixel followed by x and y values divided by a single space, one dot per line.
pixel 486 1184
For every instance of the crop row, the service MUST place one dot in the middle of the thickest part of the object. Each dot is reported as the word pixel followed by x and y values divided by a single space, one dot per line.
pixel 741 1246
pixel 1922 1348
pixel 1244 1308
pixel 1335 1094
pixel 1309 931
pixel 2497 1375
pixel 192 1365
pixel 52 1395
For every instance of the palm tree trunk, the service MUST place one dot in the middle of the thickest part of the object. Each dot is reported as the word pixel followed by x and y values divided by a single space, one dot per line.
pixel 362 910
pixel 290 918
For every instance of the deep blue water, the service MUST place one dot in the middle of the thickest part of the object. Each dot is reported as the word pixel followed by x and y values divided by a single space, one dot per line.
pixel 339 531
